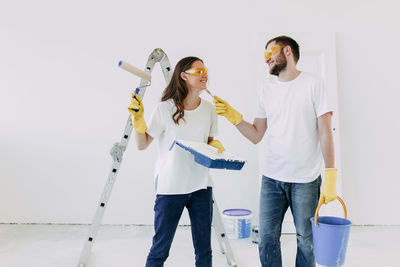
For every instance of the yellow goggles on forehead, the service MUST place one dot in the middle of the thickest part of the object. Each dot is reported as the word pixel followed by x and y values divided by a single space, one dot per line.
pixel 197 71
pixel 272 51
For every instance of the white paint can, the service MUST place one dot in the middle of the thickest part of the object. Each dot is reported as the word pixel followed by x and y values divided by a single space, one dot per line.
pixel 237 223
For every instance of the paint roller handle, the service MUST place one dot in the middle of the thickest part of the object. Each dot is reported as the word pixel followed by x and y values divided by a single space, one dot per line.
pixel 322 202
pixel 137 90
pixel 135 71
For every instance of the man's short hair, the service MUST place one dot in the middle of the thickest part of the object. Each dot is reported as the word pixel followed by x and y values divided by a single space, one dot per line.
pixel 285 40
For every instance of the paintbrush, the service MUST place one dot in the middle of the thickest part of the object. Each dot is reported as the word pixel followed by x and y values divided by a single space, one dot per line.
pixel 208 91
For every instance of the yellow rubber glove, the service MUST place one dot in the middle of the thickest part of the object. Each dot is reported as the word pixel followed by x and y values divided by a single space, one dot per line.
pixel 328 192
pixel 224 109
pixel 137 114
pixel 217 144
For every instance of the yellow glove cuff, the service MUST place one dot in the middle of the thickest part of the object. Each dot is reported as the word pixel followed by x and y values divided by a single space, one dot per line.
pixel 139 124
pixel 331 174
pixel 236 118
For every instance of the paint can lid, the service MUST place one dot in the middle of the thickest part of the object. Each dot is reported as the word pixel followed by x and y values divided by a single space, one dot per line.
pixel 237 212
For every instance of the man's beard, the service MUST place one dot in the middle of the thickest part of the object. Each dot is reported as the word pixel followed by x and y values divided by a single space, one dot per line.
pixel 280 65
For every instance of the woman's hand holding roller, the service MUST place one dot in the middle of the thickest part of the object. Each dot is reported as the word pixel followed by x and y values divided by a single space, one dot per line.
pixel 137 114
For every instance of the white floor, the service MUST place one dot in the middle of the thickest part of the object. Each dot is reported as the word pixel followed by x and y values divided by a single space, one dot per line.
pixel 60 245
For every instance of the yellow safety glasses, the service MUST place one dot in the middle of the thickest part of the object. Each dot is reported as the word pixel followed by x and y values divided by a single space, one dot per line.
pixel 203 71
pixel 272 51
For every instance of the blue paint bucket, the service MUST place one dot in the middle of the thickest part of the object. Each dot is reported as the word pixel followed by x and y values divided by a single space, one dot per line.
pixel 237 223
pixel 330 236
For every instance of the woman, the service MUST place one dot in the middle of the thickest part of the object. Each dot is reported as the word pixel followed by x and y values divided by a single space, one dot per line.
pixel 179 181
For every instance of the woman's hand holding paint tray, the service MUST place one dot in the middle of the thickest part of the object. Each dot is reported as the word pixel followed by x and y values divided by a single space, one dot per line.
pixel 218 145
pixel 208 156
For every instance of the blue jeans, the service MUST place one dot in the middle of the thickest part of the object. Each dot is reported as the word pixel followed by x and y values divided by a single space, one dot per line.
pixel 276 197
pixel 168 210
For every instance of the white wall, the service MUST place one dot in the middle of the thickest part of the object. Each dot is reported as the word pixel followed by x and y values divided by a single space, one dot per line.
pixel 63 100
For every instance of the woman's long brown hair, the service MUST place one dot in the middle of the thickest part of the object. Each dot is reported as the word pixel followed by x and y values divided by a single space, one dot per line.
pixel 176 89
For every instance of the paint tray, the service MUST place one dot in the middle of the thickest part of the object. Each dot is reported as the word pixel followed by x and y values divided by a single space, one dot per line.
pixel 207 155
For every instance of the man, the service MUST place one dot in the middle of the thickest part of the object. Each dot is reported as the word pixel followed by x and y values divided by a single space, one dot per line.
pixel 295 110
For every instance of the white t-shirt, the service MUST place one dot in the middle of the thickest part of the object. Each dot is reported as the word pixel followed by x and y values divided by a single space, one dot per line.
pixel 176 172
pixel 292 108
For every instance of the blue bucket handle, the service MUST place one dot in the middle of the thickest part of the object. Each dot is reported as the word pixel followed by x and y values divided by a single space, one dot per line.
pixel 320 204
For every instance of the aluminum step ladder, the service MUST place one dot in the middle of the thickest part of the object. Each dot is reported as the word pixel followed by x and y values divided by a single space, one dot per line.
pixel 118 150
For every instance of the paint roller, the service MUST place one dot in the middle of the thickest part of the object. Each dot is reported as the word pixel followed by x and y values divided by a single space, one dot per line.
pixel 135 71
